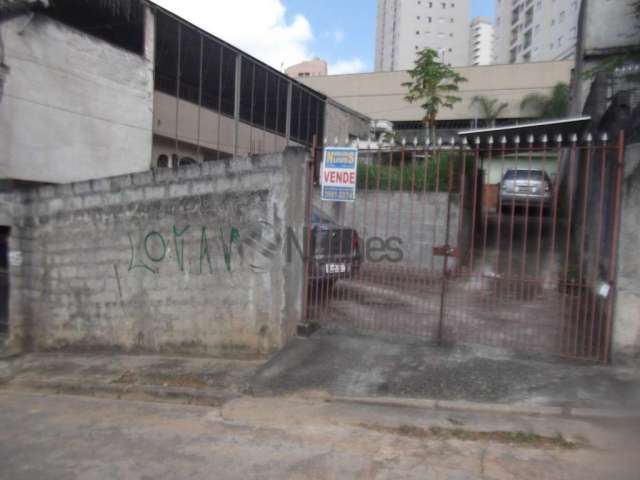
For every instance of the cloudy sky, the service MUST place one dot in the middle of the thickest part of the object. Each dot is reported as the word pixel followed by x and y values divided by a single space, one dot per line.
pixel 284 32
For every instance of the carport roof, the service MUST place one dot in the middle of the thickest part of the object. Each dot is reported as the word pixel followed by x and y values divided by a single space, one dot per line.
pixel 566 127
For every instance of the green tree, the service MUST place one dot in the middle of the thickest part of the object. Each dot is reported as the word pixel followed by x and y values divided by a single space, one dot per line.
pixel 434 85
pixel 490 108
pixel 555 105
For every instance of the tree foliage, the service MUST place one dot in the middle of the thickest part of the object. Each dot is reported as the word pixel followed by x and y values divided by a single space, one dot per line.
pixel 555 105
pixel 433 84
pixel 490 108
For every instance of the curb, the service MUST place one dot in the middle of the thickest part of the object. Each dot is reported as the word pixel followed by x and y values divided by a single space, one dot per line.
pixel 512 409
pixel 212 397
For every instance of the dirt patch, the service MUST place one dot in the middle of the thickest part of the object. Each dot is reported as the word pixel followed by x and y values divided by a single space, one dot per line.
pixel 518 438
pixel 129 377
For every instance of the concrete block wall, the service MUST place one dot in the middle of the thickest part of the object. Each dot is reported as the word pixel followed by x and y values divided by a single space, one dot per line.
pixel 189 260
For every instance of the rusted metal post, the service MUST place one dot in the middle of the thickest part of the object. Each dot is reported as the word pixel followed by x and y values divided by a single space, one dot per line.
pixel 311 165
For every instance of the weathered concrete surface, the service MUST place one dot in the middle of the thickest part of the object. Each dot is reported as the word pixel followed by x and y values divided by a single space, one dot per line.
pixel 626 325
pixel 69 437
pixel 74 107
pixel 157 375
pixel 360 366
pixel 188 260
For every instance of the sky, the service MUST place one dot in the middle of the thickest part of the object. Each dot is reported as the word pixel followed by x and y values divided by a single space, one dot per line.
pixel 284 32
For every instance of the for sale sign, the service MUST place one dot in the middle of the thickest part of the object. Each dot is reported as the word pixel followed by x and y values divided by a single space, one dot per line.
pixel 339 174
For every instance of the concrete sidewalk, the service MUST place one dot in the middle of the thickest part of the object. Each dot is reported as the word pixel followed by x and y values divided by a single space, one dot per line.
pixel 368 369
pixel 347 364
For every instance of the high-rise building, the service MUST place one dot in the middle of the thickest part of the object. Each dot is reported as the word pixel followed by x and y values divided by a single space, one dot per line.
pixel 481 40
pixel 405 27
pixel 310 68
pixel 536 30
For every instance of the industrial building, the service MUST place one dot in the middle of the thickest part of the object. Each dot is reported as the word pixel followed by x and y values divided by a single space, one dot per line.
pixel 381 95
pixel 97 90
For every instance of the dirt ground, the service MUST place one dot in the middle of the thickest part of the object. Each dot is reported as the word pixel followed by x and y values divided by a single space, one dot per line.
pixel 66 437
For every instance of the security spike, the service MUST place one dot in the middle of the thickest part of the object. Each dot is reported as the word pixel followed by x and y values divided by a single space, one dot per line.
pixel 503 139
pixel 439 141
pixel 574 138
pixel 404 141
pixel 477 140
pixel 530 138
pixel 605 137
pixel 427 142
pixel 559 138
pixel 516 139
pixel 589 138
pixel 452 141
pixel 544 138
pixel 464 141
pixel 490 140
pixel 415 141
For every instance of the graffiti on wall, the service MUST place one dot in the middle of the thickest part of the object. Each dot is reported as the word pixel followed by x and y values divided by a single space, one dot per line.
pixel 257 247
pixel 155 246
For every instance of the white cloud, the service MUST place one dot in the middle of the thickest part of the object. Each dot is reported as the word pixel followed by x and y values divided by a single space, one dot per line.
pixel 337 35
pixel 355 65
pixel 259 27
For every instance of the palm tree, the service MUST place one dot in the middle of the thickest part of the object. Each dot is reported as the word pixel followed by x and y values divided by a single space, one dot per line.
pixel 434 84
pixel 555 105
pixel 489 108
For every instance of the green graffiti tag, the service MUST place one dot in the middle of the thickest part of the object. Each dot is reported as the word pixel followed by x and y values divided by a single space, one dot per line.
pixel 179 249
pixel 157 258
pixel 132 262
pixel 204 250
pixel 154 249
pixel 234 237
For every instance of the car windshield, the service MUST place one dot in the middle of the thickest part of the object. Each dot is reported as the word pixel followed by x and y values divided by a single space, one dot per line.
pixel 524 175
pixel 318 216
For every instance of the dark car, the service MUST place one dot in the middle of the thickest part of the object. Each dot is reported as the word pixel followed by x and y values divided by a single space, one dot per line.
pixel 335 250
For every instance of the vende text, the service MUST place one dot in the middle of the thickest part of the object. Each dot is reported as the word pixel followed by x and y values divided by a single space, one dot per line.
pixel 347 178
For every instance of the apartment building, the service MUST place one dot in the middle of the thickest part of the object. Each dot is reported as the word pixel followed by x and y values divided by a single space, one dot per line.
pixel 481 39
pixel 536 30
pixel 310 68
pixel 405 27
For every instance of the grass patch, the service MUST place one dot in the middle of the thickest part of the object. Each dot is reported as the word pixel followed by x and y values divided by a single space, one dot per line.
pixel 517 438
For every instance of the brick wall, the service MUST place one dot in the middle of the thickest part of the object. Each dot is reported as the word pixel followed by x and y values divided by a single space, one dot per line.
pixel 188 260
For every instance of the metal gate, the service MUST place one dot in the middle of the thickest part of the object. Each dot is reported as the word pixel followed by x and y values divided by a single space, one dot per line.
pixel 507 242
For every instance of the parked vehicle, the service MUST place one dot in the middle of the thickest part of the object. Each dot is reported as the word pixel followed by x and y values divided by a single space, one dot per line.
pixel 335 249
pixel 521 188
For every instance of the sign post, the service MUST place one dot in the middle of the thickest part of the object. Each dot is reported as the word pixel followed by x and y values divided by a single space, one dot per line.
pixel 339 174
